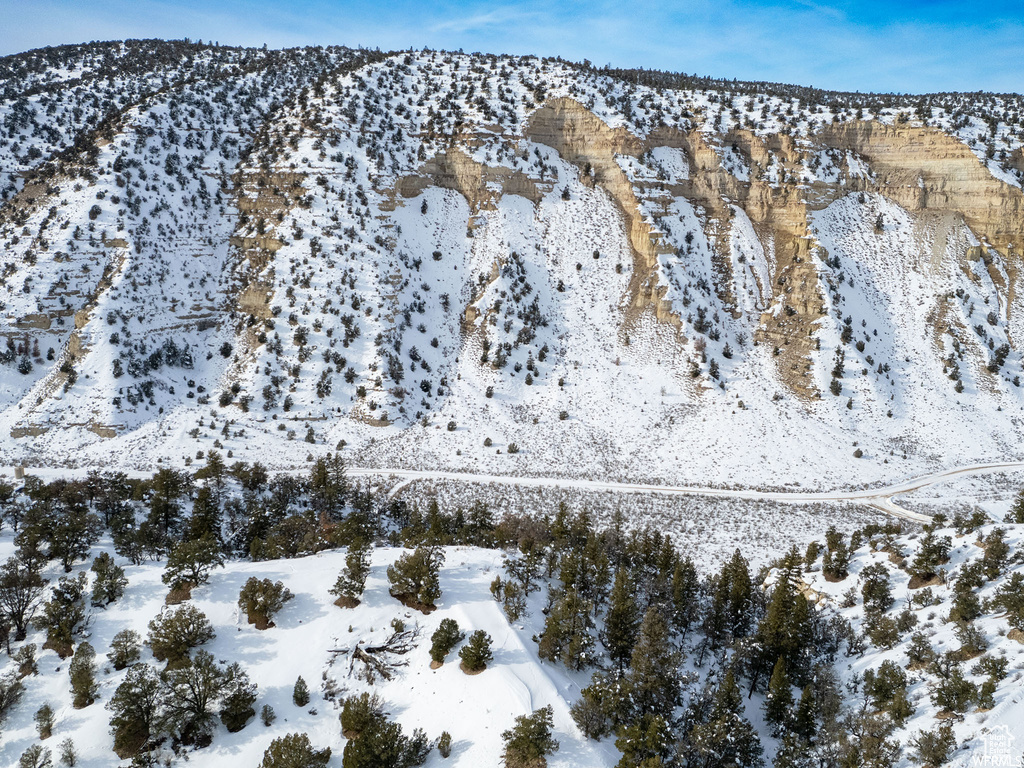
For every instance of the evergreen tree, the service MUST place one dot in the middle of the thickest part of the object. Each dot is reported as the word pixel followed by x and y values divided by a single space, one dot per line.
pixel 444 744
pixel 83 676
pixel 525 568
pixel 645 743
pixel 135 706
pixel 919 651
pixel 966 606
pixel 261 599
pixel 784 631
pixel 931 553
pixel 529 741
pixel 934 747
pixel 804 721
pixel 794 752
pixel 952 692
pixel 189 694
pixel 358 713
pixel 352 580
pixel 414 577
pixel 836 560
pixel 44 721
pixel 685 591
pixel 477 652
pixel 886 688
pixel 168 487
pixel 21 589
pixel 36 756
pixel 862 738
pixel 1010 598
pixel 779 701
pixel 328 487
pixel 110 580
pixel 238 698
pixel 174 633
pixel 741 590
pixel 997 554
pixel 300 692
pixel 653 668
pixel 124 649
pixel 205 521
pixel 64 614
pixel 727 738
pixel 603 706
pixel 376 742
pixel 875 588
pixel 191 562
pixel 11 691
pixel 294 751
pixel 73 530
pixel 986 695
pixel 566 636
pixel 444 639
pixel 622 621
pixel 511 596
pixel 68 756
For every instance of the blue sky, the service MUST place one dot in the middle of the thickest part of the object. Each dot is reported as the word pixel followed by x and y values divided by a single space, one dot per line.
pixel 900 45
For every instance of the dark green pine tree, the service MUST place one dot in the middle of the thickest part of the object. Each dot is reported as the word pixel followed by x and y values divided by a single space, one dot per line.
pixel 804 721
pixel 135 706
pixel 82 671
pixel 783 631
pixel 444 639
pixel 414 577
pixel 653 668
pixel 300 692
pixel 294 751
pixel 794 752
pixel 715 620
pixel 477 652
pixel 837 557
pixel 685 589
pixel 566 636
pixel 236 708
pixel 352 580
pixel 741 590
pixel 778 704
pixel 645 743
pixel 529 742
pixel 206 516
pixel 727 738
pixel 622 621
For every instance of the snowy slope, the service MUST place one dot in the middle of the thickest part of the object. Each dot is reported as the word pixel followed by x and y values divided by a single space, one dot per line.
pixel 365 252
pixel 474 709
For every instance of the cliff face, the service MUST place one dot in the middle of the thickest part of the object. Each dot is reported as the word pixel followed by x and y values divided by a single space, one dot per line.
pixel 928 172
pixel 923 170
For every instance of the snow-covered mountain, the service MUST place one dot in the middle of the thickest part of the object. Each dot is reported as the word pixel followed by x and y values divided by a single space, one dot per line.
pixel 502 264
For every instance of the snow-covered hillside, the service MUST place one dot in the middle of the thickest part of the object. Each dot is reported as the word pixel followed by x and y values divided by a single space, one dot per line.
pixel 954 626
pixel 473 709
pixel 426 258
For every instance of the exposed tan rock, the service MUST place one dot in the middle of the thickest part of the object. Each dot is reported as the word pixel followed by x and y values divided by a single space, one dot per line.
pixel 41 322
pixel 481 185
pixel 255 299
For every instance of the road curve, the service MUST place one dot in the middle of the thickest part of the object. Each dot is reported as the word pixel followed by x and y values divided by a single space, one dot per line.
pixel 880 498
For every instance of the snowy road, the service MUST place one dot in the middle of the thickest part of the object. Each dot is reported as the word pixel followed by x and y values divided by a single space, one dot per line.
pixel 881 498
